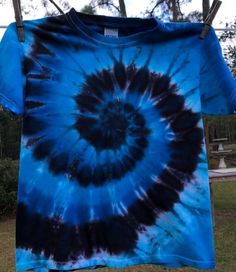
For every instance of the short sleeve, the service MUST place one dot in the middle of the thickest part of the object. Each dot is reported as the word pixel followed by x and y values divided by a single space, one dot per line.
pixel 217 84
pixel 11 72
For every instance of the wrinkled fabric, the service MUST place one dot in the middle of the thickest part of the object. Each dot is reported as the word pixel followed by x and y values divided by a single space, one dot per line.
pixel 113 169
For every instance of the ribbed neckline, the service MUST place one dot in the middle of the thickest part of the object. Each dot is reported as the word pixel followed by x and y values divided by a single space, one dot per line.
pixel 76 20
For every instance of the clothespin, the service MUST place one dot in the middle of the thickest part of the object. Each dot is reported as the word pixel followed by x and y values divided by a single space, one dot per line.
pixel 210 17
pixel 19 19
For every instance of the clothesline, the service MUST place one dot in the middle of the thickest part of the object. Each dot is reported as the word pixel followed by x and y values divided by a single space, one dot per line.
pixel 216 29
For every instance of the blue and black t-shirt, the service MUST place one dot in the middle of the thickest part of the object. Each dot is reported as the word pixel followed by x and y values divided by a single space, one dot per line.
pixel 113 169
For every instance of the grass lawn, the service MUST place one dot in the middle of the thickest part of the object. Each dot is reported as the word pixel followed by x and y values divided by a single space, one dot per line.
pixel 225 237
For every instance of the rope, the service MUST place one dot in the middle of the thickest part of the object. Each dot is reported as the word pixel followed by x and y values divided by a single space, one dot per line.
pixel 226 29
pixel 216 29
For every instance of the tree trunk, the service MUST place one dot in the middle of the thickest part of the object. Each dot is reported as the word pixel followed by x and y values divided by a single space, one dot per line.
pixel 174 11
pixel 205 8
pixel 206 131
pixel 122 8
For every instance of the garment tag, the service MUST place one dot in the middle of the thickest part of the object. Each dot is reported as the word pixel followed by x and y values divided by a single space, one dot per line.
pixel 111 32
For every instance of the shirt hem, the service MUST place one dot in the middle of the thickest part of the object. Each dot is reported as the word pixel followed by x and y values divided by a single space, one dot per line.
pixel 173 261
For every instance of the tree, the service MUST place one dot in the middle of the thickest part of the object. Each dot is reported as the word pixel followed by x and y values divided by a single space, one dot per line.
pixel 229 37
pixel 172 10
pixel 2 2
pixel 9 135
pixel 122 8
pixel 88 9
pixel 63 5
pixel 109 4
pixel 167 9
pixel 50 9
pixel 205 8
pixel 194 16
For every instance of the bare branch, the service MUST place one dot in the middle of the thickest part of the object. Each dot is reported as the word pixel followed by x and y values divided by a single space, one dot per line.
pixel 151 12
pixel 102 3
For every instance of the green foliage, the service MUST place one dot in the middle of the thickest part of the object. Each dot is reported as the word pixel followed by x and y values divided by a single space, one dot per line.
pixel 10 128
pixel 221 126
pixel 8 186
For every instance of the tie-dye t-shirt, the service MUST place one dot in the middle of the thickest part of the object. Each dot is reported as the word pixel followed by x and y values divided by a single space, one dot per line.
pixel 113 169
